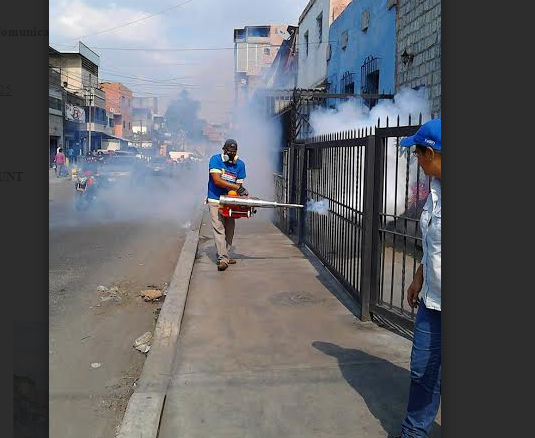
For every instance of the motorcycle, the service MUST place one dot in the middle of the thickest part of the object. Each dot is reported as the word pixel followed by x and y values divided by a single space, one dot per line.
pixel 85 190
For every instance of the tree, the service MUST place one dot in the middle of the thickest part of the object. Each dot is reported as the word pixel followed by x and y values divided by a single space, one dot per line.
pixel 182 114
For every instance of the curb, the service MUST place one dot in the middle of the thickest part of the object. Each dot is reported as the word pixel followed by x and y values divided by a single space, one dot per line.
pixel 142 415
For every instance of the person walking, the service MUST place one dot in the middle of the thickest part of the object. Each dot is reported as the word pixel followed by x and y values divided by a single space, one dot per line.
pixel 70 153
pixel 226 172
pixel 425 292
pixel 60 163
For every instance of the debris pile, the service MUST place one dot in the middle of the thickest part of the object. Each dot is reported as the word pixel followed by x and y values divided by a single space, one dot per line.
pixel 112 294
pixel 142 343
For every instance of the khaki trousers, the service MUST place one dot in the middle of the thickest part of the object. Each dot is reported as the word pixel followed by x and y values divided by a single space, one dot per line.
pixel 223 232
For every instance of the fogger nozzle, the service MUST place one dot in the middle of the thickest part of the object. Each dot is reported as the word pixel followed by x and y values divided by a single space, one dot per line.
pixel 252 202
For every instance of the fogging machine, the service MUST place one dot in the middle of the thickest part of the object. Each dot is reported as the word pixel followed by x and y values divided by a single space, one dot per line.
pixel 239 206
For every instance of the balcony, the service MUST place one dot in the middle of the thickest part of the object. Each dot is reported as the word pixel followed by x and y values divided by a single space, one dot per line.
pixel 97 127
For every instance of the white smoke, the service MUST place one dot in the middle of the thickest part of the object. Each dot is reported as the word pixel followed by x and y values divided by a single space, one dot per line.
pixel 259 147
pixel 321 207
pixel 352 115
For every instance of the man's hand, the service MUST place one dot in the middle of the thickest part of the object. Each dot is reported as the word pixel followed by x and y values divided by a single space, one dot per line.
pixel 242 191
pixel 415 288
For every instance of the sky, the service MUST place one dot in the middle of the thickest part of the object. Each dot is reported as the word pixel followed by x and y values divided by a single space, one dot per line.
pixel 184 25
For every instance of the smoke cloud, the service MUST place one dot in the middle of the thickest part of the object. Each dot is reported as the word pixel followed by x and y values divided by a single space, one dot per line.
pixel 259 147
pixel 321 207
pixel 401 173
pixel 352 115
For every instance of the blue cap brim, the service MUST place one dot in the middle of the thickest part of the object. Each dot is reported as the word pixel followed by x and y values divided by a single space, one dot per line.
pixel 407 142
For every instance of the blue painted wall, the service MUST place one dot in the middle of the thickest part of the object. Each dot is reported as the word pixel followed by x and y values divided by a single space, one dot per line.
pixel 378 41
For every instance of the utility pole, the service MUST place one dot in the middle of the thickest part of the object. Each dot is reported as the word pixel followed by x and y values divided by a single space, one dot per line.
pixel 88 149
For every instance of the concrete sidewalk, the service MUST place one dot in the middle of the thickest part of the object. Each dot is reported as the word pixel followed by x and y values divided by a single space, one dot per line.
pixel 267 350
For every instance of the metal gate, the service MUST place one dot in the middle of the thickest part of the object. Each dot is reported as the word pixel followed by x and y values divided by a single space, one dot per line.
pixel 369 236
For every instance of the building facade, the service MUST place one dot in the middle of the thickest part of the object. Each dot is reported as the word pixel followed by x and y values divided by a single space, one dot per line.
pixel 418 36
pixel 255 48
pixel 146 102
pixel 282 74
pixel 361 54
pixel 55 113
pixel 119 103
pixel 79 77
pixel 313 41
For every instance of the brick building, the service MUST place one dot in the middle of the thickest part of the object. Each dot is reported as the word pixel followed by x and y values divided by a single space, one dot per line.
pixel 119 103
pixel 418 29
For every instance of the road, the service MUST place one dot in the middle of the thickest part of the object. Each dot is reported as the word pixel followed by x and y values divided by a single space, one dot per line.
pixel 131 239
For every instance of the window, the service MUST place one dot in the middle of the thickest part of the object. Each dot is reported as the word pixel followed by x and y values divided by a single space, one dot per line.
pixel 259 32
pixel 130 125
pixel 369 79
pixel 329 52
pixel 306 42
pixel 347 83
pixel 365 20
pixel 267 51
pixel 124 124
pixel 343 39
pixel 54 103
pixel 319 24
pixel 239 34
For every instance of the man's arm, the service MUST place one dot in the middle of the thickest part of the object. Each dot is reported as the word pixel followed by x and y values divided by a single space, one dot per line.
pixel 415 287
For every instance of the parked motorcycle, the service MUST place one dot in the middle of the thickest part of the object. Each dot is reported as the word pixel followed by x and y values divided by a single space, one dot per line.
pixel 85 190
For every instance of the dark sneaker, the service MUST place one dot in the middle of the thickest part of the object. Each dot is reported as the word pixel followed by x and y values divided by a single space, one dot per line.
pixel 232 261
pixel 221 266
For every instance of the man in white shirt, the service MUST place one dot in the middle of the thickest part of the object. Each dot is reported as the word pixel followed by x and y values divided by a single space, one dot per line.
pixel 425 292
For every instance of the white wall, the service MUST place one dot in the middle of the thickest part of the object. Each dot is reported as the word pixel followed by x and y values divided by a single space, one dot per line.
pixel 312 69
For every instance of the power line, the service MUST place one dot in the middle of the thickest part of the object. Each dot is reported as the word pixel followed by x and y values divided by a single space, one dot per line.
pixel 143 79
pixel 193 49
pixel 134 21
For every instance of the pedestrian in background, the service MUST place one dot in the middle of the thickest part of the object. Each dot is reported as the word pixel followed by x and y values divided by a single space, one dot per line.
pixel 425 292
pixel 71 155
pixel 60 162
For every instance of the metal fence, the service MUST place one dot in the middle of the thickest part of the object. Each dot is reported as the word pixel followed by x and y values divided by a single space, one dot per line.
pixel 369 236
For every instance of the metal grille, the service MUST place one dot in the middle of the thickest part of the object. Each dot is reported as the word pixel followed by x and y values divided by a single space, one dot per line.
pixel 335 173
pixel 369 238
pixel 369 79
pixel 347 83
pixel 281 194
pixel 404 191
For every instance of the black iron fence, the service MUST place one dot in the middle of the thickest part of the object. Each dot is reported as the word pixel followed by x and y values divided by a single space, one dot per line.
pixel 364 199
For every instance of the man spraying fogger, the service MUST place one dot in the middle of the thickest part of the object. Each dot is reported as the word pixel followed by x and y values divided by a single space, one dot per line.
pixel 226 173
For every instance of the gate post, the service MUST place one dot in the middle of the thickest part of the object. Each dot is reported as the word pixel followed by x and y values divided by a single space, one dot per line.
pixel 302 194
pixel 370 256
pixel 293 169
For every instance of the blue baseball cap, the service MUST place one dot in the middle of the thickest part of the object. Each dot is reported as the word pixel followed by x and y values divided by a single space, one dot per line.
pixel 428 135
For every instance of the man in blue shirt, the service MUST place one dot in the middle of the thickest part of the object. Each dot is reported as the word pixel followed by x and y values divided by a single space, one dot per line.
pixel 227 172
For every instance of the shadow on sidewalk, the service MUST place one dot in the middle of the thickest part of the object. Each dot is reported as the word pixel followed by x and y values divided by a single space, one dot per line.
pixel 383 385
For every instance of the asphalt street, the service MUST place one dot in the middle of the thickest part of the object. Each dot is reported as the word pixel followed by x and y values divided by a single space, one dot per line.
pixel 131 238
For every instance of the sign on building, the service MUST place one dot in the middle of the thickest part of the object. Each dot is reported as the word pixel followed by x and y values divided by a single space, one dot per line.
pixel 74 113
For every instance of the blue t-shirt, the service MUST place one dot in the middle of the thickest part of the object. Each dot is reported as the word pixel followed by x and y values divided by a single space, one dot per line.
pixel 231 172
